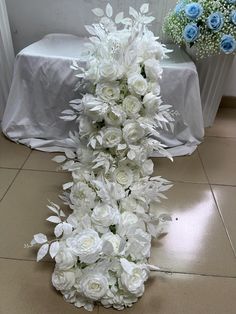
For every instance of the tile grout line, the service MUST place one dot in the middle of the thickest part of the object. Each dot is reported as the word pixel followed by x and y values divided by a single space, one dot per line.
pixel 19 169
pixel 165 271
pixel 218 208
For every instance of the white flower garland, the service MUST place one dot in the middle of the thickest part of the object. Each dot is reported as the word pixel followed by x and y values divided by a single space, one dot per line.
pixel 101 249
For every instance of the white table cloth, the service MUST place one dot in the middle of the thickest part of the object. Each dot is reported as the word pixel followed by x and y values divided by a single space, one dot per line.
pixel 43 84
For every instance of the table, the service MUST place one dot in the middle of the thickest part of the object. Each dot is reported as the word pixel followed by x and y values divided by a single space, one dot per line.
pixel 43 84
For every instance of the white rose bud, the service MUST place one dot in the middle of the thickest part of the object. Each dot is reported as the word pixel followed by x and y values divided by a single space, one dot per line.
pixel 65 259
pixel 82 195
pixel 147 167
pixel 63 280
pixel 115 116
pixel 133 277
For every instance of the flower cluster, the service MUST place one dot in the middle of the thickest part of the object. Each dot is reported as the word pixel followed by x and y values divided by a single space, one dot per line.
pixel 208 25
pixel 102 247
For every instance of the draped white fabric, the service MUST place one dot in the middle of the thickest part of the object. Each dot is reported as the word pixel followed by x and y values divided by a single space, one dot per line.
pixel 43 85
pixel 6 57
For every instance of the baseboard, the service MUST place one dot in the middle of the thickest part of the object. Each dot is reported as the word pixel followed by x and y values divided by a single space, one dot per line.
pixel 228 102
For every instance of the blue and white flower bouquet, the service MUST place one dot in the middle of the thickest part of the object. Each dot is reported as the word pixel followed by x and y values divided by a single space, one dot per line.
pixel 208 25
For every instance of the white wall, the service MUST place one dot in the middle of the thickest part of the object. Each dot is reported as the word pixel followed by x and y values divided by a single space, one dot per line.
pixel 32 19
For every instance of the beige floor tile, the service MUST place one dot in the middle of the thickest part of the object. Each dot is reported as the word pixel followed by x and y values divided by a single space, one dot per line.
pixel 6 178
pixel 23 211
pixel 219 160
pixel 12 155
pixel 226 200
pixel 42 161
pixel 225 123
pixel 26 289
pixel 185 294
pixel 196 241
pixel 186 169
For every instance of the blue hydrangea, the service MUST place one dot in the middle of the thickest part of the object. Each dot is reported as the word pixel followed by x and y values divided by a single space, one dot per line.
pixel 215 21
pixel 193 10
pixel 228 44
pixel 191 32
pixel 233 17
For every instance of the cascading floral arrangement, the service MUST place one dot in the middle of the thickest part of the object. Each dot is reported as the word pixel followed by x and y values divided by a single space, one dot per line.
pixel 207 25
pixel 101 248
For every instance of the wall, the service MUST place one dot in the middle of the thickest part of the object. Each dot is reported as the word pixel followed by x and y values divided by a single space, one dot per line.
pixel 32 19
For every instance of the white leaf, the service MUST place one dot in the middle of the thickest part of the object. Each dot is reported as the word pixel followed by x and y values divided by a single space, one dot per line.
pixel 54 248
pixel 68 111
pixel 98 12
pixel 54 219
pixel 33 242
pixel 59 158
pixel 133 12
pixel 148 19
pixel 69 153
pixel 90 29
pixel 53 209
pixel 62 214
pixel 68 118
pixel 126 21
pixel 119 17
pixel 42 251
pixel 109 10
pixel 144 8
pixel 67 185
pixel 58 230
pixel 40 238
pixel 67 228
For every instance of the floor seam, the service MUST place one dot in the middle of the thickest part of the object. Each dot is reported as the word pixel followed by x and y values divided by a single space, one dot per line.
pixel 10 185
pixel 218 208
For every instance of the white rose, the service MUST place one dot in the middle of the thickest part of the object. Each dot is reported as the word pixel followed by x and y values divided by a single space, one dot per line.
pixel 111 137
pixel 115 116
pixel 82 195
pixel 124 176
pixel 87 245
pixel 151 103
pixel 153 69
pixel 133 277
pixel 132 132
pixel 108 91
pixel 109 70
pixel 105 215
pixel 139 245
pixel 137 84
pixel 147 167
pixel 115 241
pixel 63 280
pixel 94 285
pixel 65 259
pixel 131 105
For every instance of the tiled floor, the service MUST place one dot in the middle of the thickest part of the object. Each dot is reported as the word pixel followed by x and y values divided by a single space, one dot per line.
pixel 197 256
